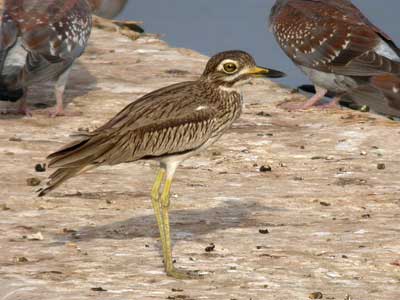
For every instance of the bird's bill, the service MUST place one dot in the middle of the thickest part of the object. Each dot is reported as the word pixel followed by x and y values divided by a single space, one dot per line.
pixel 264 72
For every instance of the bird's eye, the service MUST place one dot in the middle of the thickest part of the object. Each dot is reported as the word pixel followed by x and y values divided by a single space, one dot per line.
pixel 230 68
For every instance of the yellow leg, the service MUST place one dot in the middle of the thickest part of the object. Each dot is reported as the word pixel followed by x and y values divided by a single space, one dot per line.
pixel 167 245
pixel 155 200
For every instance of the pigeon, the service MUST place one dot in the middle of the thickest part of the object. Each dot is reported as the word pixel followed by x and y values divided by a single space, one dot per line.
pixel 39 42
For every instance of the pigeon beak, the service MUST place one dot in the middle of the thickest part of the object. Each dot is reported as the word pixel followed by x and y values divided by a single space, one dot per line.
pixel 264 72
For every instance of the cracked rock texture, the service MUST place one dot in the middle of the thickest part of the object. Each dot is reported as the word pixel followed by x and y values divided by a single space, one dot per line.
pixel 296 203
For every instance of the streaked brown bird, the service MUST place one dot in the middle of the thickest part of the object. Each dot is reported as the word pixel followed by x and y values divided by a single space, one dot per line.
pixel 107 8
pixel 168 125
pixel 341 51
pixel 39 42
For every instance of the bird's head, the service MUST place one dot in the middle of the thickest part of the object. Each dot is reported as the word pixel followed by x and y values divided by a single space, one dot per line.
pixel 234 68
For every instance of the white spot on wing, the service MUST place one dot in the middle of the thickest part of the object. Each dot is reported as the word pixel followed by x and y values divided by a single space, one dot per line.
pixel 383 49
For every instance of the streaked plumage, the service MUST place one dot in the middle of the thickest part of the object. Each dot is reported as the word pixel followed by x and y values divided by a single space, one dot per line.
pixel 341 51
pixel 167 125
pixel 39 41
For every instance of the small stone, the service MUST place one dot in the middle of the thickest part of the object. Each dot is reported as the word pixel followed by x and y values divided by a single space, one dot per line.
pixel 34 237
pixel 21 259
pixel 316 295
pixel 324 203
pixel 363 153
pixel 298 178
pixel 34 181
pixel 176 290
pixel 348 297
pixel 264 114
pixel 15 139
pixel 366 216
pixel 396 263
pixel 4 207
pixel 264 169
pixel 263 231
pixel 318 157
pixel 98 289
pixel 210 248
pixel 68 230
pixel 381 166
pixel 40 168
pixel 364 108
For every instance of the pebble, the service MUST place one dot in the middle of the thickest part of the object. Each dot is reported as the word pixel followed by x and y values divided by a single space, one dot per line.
pixel 34 181
pixel 316 295
pixel 34 237
pixel 264 169
pixel 40 168
pixel 210 248
pixel 381 166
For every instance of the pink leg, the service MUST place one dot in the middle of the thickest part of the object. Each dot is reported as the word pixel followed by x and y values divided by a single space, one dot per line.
pixel 334 103
pixel 59 92
pixel 320 93
pixel 23 108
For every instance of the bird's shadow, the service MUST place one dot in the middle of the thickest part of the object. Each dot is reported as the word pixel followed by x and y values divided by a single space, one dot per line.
pixel 41 96
pixel 185 223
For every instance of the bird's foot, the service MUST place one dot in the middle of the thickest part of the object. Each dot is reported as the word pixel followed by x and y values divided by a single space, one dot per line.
pixel 183 274
pixel 24 111
pixel 57 112
pixel 333 104
pixel 293 106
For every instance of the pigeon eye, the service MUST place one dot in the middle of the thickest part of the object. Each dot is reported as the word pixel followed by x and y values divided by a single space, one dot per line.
pixel 230 68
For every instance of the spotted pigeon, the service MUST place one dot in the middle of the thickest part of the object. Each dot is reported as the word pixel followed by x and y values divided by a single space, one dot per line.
pixel 39 42
pixel 341 51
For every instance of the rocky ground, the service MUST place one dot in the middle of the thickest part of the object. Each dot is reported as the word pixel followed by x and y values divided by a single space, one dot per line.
pixel 297 204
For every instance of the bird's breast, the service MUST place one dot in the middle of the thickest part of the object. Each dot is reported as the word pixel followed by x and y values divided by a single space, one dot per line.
pixel 16 57
pixel 330 81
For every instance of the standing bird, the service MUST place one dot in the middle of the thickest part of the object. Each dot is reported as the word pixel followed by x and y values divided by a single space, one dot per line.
pixel 168 125
pixel 39 41
pixel 341 51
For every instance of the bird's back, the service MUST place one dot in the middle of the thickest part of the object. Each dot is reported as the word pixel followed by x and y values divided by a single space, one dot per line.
pixel 175 119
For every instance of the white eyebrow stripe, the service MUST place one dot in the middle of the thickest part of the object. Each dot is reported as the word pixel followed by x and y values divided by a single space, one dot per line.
pixel 226 61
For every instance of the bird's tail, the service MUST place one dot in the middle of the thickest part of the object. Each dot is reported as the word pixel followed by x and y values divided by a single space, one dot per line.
pixel 381 94
pixel 57 178
pixel 72 160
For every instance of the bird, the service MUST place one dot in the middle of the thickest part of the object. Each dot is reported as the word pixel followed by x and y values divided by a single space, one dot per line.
pixel 39 42
pixel 107 8
pixel 341 52
pixel 168 126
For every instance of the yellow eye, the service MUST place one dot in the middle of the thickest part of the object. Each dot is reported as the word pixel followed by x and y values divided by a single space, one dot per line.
pixel 230 68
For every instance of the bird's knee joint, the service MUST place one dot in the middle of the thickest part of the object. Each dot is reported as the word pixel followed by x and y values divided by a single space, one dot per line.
pixel 165 202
